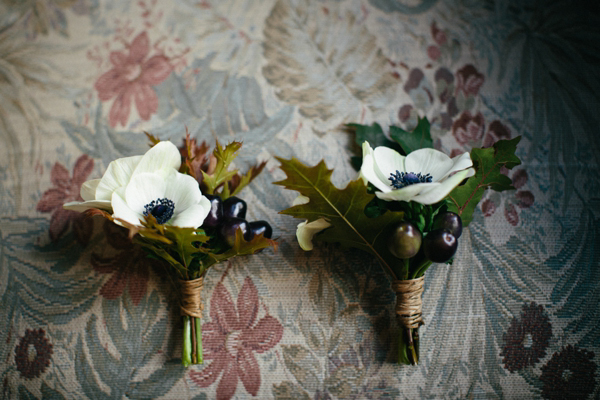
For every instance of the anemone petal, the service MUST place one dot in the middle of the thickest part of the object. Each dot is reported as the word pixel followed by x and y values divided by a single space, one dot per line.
pixel 445 187
pixel 143 189
pixel 428 161
pixel 306 230
pixel 117 175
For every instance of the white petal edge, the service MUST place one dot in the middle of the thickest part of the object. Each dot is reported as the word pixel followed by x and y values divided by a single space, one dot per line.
pixel 164 155
pixel 193 216
pixel 86 205
pixel 88 189
pixel 117 175
pixel 367 170
pixel 460 162
pixel 366 148
pixel 433 196
pixel 306 231
pixel 388 161
pixel 407 193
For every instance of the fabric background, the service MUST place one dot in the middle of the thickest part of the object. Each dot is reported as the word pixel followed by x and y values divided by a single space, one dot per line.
pixel 84 315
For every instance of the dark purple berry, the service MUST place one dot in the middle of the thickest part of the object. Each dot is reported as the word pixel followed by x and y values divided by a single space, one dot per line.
pixel 405 240
pixel 229 227
pixel 439 245
pixel 215 215
pixel 261 227
pixel 450 222
pixel 234 207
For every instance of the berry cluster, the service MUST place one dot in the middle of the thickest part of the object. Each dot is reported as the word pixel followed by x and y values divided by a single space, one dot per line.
pixel 227 216
pixel 438 245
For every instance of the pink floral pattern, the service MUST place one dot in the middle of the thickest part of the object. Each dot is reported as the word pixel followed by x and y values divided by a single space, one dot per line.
pixel 511 214
pixel 522 198
pixel 496 131
pixel 227 82
pixel 469 80
pixel 569 374
pixel 66 189
pixel 525 198
pixel 468 128
pixel 441 39
pixel 438 34
pixel 132 78
pixel 404 112
pixel 444 79
pixel 33 353
pixel 519 178
pixel 231 339
pixel 527 338
pixel 434 52
pixel 488 207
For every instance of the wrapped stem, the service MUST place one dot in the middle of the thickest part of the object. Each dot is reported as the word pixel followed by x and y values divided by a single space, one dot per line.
pixel 409 316
pixel 191 309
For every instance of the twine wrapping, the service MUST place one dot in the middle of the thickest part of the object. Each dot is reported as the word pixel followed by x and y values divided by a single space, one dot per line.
pixel 191 297
pixel 408 302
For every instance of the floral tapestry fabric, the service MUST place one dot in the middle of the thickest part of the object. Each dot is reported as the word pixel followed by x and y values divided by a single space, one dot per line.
pixel 84 313
pixel 131 79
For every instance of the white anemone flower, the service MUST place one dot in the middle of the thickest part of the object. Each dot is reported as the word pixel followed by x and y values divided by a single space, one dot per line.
pixel 172 198
pixel 306 230
pixel 97 193
pixel 425 176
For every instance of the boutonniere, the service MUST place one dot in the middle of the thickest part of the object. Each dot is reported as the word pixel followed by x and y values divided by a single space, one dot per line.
pixel 407 207
pixel 182 207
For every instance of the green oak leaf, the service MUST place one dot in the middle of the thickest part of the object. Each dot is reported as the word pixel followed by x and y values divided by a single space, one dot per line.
pixel 225 156
pixel 176 245
pixel 187 241
pixel 186 248
pixel 417 139
pixel 238 181
pixel 152 139
pixel 343 208
pixel 488 163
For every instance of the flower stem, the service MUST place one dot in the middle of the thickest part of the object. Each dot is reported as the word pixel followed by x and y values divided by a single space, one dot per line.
pixel 405 268
pixel 420 269
pixel 192 341
pixel 186 355
pixel 403 357
pixel 200 357
pixel 408 346
pixel 411 346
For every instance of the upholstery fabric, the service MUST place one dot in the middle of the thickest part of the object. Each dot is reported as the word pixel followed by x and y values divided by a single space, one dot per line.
pixel 84 314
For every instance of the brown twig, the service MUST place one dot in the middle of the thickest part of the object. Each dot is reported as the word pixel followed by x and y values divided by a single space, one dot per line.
pixel 194 341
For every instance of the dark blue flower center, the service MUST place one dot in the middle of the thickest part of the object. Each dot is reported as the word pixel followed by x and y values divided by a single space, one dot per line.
pixel 161 209
pixel 403 179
